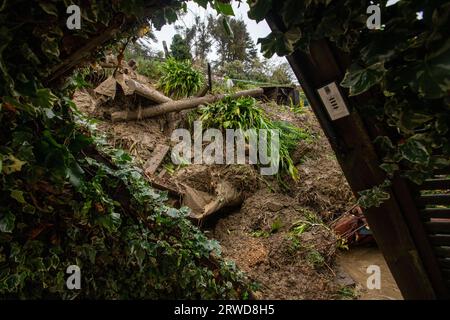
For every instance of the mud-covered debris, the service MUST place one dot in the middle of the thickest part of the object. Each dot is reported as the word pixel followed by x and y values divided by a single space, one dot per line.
pixel 274 206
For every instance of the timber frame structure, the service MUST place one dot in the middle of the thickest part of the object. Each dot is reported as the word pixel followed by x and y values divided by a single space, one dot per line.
pixel 414 238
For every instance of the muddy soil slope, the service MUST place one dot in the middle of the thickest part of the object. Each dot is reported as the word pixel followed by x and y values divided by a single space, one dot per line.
pixel 279 235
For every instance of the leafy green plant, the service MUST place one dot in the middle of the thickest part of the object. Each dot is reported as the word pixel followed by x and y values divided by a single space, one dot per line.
pixel 290 135
pixel 179 78
pixel 79 79
pixel 228 113
pixel 277 224
pixel 315 258
pixel 260 234
pixel 149 68
pixel 347 293
pixel 244 113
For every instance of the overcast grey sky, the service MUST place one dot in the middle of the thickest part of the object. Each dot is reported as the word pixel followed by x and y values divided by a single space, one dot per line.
pixel 256 30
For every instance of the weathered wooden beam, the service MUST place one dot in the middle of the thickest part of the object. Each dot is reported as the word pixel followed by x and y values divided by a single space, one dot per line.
pixel 440 239
pixel 435 184
pixel 435 213
pixel 435 227
pixel 434 199
pixel 154 162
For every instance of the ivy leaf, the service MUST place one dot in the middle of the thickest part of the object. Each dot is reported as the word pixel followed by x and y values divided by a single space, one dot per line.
pixel 224 8
pixel 50 46
pixel 441 124
pixel 433 74
pixel 49 8
pixel 373 197
pixel 14 166
pixel 416 176
pixel 390 168
pixel 7 222
pixel 174 213
pixel 360 80
pixel 275 42
pixel 384 143
pixel 259 9
pixel 411 119
pixel 18 196
pixel 202 3
pixel 28 54
pixel 414 151
pixel 75 174
pixel 45 98
pixel 293 12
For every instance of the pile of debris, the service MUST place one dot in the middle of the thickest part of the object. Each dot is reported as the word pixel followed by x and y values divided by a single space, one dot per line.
pixel 279 237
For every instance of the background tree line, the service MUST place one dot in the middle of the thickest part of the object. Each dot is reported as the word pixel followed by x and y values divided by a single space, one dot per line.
pixel 236 53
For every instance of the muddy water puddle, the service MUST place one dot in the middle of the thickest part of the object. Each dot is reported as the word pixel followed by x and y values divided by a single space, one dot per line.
pixel 355 263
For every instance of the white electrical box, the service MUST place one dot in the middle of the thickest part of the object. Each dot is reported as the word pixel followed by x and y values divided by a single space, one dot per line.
pixel 333 101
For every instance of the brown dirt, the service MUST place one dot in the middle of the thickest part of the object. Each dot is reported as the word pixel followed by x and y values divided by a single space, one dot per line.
pixel 281 270
pixel 260 236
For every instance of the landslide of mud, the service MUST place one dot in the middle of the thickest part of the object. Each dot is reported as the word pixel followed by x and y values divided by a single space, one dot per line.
pixel 279 235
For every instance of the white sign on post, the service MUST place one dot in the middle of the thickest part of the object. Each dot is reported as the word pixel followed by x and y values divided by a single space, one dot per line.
pixel 333 101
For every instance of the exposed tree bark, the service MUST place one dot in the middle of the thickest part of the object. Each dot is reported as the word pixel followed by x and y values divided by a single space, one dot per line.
pixel 179 105
pixel 146 91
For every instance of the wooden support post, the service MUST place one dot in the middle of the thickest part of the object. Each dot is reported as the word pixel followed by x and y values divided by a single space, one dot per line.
pixel 166 51
pixel 209 77
pixel 415 271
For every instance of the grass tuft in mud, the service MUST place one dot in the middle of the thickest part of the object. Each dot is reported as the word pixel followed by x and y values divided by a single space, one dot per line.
pixel 245 113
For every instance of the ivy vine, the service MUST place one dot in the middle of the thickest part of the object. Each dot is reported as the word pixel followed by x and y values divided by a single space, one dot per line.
pixel 66 196
pixel 407 62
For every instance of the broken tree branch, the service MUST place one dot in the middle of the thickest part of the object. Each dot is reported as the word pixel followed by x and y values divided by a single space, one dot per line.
pixel 146 91
pixel 179 105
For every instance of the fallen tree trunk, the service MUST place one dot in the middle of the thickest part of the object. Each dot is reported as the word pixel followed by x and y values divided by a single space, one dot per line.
pixel 179 105
pixel 147 92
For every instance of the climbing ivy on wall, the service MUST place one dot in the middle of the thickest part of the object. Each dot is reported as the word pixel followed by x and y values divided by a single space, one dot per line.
pixel 66 197
pixel 406 63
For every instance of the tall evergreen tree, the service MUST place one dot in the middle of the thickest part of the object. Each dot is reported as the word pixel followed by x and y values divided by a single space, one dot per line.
pixel 179 48
pixel 199 38
pixel 235 46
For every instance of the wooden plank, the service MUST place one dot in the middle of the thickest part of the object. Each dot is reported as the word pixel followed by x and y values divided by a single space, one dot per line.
pixel 440 239
pixel 436 213
pixel 158 156
pixel 434 199
pixel 404 196
pixel 435 184
pixel 444 262
pixel 442 251
pixel 445 171
pixel 438 227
